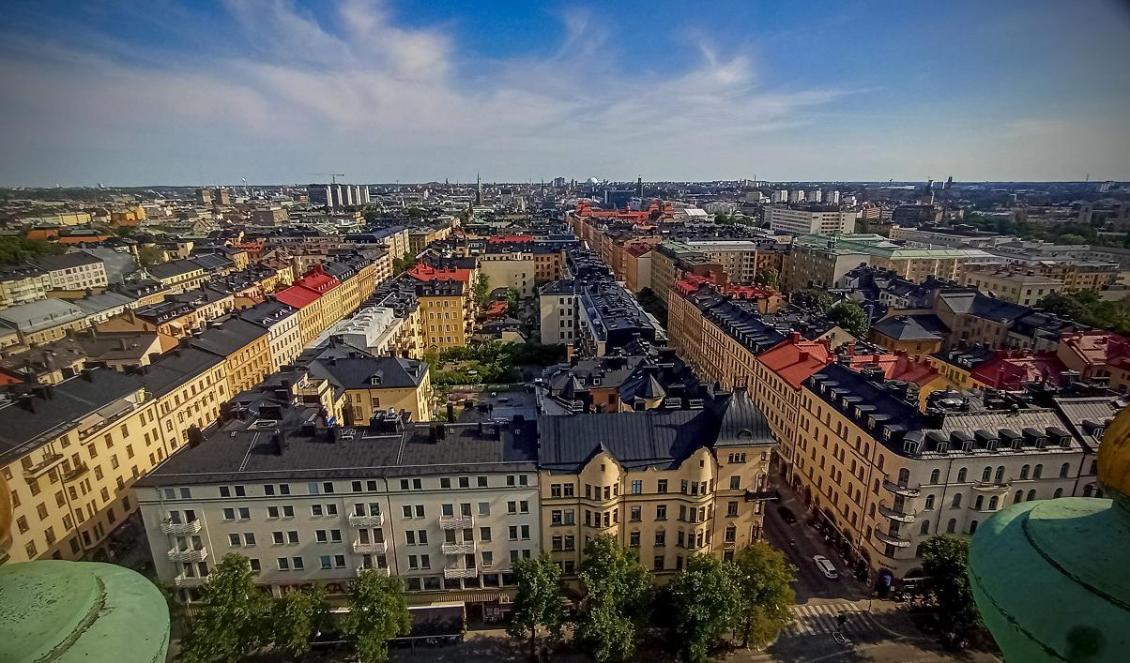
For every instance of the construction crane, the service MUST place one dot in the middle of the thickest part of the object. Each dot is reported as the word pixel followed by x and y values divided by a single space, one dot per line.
pixel 333 176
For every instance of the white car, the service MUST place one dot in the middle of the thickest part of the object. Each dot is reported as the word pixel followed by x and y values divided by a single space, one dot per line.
pixel 825 566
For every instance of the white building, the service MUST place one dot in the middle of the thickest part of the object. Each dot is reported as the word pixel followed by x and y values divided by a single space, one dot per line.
pixel 785 220
pixel 77 270
pixel 557 305
pixel 373 329
pixel 780 196
pixel 796 196
pixel 447 507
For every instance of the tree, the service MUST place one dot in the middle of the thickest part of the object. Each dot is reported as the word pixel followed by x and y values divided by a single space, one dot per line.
pixel 617 597
pixel 538 602
pixel 296 618
pixel 233 620
pixel 482 289
pixel 944 562
pixel 378 612
pixel 403 263
pixel 705 603
pixel 513 299
pixel 764 577
pixel 817 300
pixel 851 316
pixel 768 276
pixel 151 255
pixel 16 250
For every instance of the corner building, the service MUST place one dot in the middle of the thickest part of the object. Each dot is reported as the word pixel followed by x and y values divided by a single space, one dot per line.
pixel 665 484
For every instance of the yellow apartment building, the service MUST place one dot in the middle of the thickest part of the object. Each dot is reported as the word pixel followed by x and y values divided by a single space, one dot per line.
pixel 244 347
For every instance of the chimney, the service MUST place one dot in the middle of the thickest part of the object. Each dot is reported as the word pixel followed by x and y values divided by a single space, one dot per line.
pixel 195 436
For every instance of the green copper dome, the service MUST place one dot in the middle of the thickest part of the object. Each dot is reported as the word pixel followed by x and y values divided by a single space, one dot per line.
pixel 1052 578
pixel 59 612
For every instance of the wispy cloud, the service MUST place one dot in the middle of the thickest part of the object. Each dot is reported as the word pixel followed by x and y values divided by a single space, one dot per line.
pixel 385 99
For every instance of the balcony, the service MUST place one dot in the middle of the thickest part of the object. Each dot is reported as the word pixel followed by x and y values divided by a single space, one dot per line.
pixel 467 548
pixel 49 460
pixel 892 539
pixel 369 548
pixel 180 529
pixel 184 581
pixel 188 556
pixel 991 487
pixel 452 574
pixel 899 489
pixel 898 516
pixel 456 522
pixel 75 472
pixel 366 521
pixel 381 570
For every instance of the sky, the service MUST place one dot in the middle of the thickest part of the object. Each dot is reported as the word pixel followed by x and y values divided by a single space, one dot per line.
pixel 132 93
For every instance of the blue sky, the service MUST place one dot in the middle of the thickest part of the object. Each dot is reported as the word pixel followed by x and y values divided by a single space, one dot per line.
pixel 162 92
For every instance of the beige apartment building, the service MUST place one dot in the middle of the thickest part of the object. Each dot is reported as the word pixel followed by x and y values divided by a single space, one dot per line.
pixel 666 485
pixel 448 508
pixel 887 477
pixel 1026 288
pixel 368 386
pixel 512 269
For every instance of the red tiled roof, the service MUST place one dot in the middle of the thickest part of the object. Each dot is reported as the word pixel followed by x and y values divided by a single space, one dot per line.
pixel 510 239
pixel 422 272
pixel 692 282
pixel 297 296
pixel 1009 371
pixel 796 359
pixel 318 281
pixel 496 309
pixel 1097 348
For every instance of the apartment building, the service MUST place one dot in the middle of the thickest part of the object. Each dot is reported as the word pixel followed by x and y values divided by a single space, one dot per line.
pixel 23 285
pixel 179 275
pixel 667 484
pixel 189 385
pixel 68 453
pixel 1026 288
pixel 77 270
pixel 672 261
pixel 887 476
pixel 557 312
pixel 244 347
pixel 284 334
pixel 368 385
pixel 515 269
pixel 813 221
pixel 610 318
pixel 444 318
pixel 448 508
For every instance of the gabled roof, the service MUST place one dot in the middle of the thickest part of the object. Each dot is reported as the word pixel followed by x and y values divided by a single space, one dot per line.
pixel 795 360
pixel 297 296
pixel 919 327
pixel 358 370
pixel 229 336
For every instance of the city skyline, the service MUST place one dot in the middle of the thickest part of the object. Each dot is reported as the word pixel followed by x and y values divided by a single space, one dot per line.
pixel 291 92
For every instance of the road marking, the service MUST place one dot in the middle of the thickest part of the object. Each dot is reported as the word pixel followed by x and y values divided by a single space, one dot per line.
pixel 824 619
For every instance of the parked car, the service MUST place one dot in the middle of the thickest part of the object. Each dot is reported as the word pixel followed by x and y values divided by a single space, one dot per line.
pixel 786 514
pixel 825 566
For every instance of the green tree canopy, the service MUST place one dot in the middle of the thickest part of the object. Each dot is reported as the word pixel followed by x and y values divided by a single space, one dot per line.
pixel 403 263
pixel 378 612
pixel 296 618
pixel 851 316
pixel 767 276
pixel 764 577
pixel 944 562
pixel 813 299
pixel 705 601
pixel 617 597
pixel 1088 308
pixel 482 289
pixel 538 602
pixel 232 622
pixel 16 250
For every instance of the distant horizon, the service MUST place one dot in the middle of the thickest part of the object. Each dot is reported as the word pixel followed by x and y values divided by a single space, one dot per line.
pixel 205 91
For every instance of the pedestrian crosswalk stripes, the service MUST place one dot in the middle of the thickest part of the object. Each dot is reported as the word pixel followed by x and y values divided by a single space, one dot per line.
pixel 821 619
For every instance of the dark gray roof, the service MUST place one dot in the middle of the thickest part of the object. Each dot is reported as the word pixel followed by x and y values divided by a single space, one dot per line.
pixel 177 367
pixel 241 452
pixel 174 268
pixel 921 327
pixel 59 408
pixel 742 423
pixel 211 261
pixel 229 336
pixel 364 371
pixel 267 313
pixel 67 260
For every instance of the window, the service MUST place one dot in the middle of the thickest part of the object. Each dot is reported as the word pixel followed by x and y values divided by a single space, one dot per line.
pixel 660 538
pixel 637 487
pixel 1024 471
pixel 1038 471
pixel 731 534
pixel 661 486
pixel 1064 470
pixel 935 476
pixel 484 534
pixel 929 502
pixel 957 501
pixel 661 512
pixel 951 526
pixel 292 536
pixel 658 563
pixel 444 482
pixel 635 514
pixel 961 474
pixel 925 528
pixel 464 482
pixel 735 482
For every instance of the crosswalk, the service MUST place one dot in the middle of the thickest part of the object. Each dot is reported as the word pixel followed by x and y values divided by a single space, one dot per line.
pixel 824 619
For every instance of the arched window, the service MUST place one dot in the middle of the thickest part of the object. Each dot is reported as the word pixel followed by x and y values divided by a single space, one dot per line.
pixel 973 527
pixel 1058 493
pixel 986 474
pixel 929 502
pixel 876 488
pixel 1038 471
pixel 880 461
pixel 1088 490
pixel 979 503
pixel 1063 470
pixel 951 526
pixel 1031 495
pixel 961 475
pixel 925 529
pixel 1024 471
pixel 871 511
pixel 993 501
pixel 904 476
pixel 957 501
pixel 999 478
pixel 935 476
pixel 1017 497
